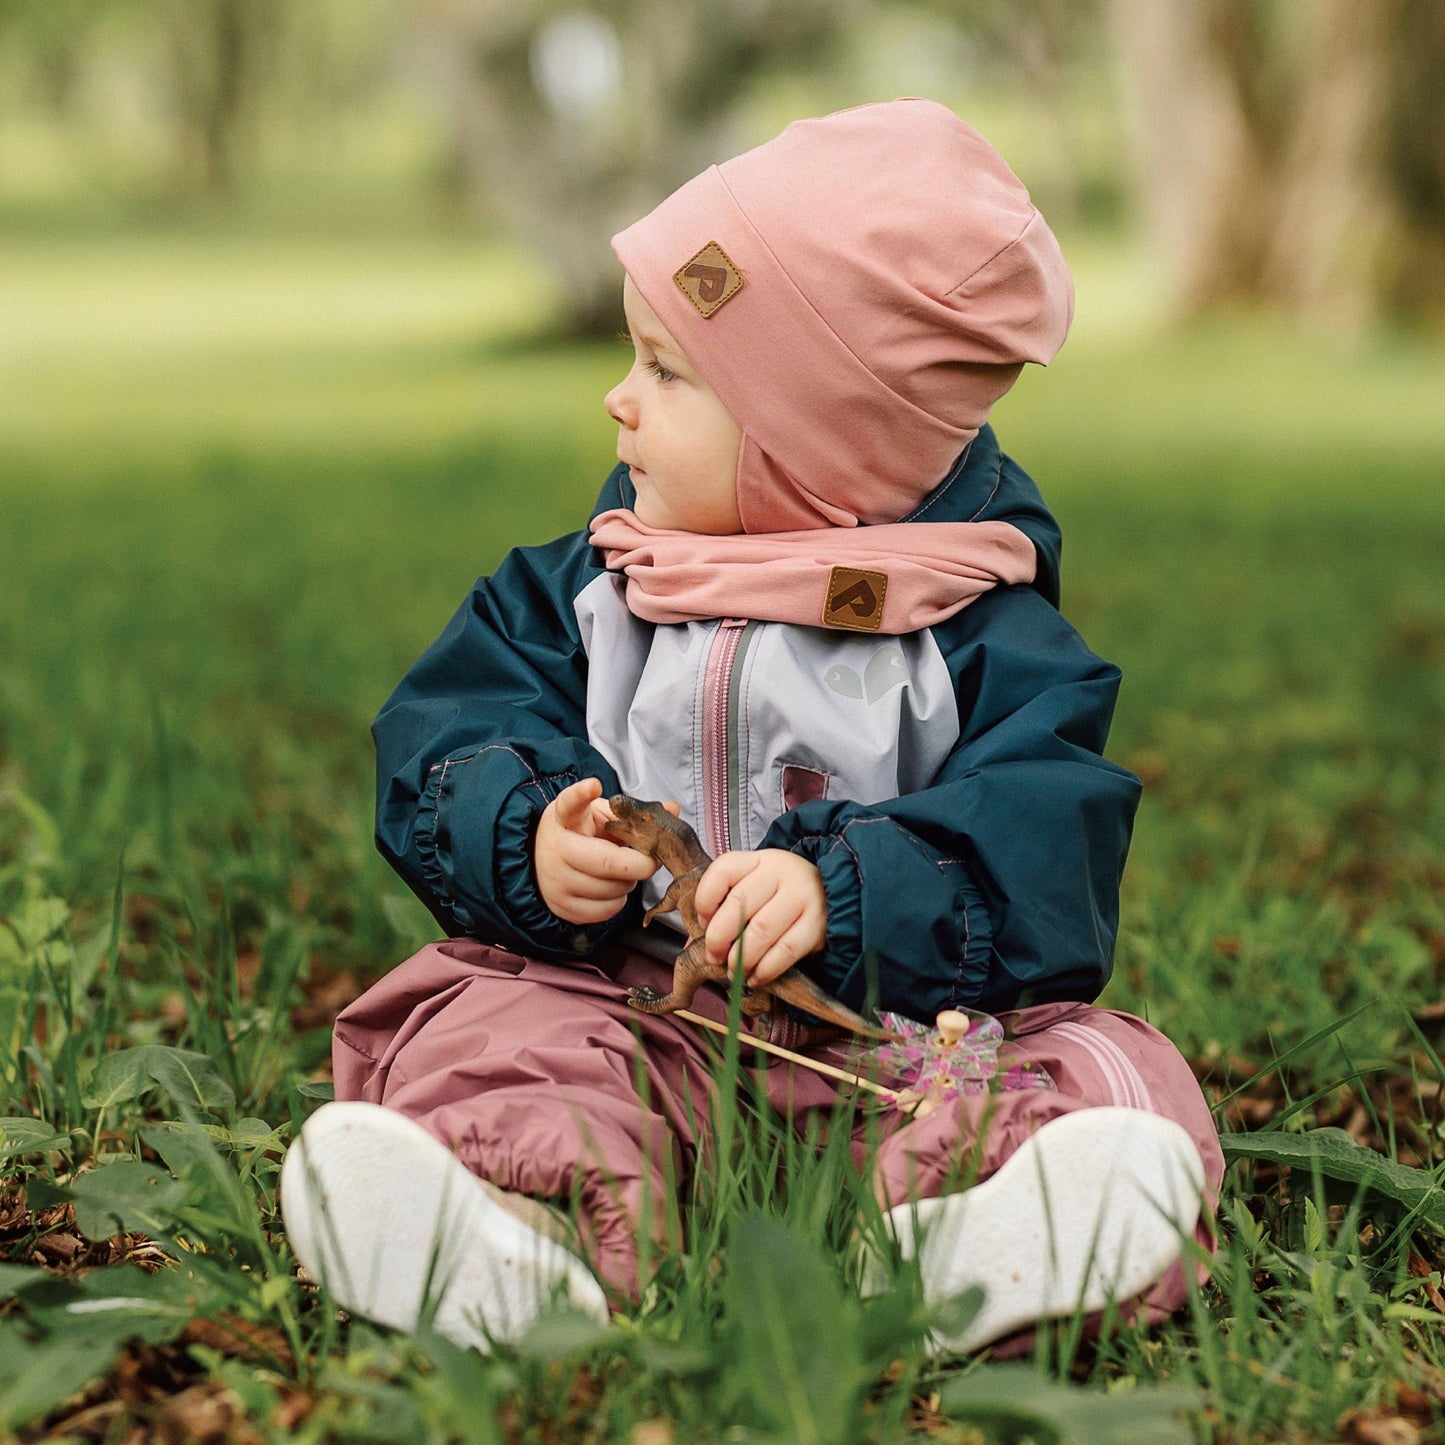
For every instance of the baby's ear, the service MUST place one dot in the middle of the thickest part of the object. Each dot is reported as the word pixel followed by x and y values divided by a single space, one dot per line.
pixel 674 808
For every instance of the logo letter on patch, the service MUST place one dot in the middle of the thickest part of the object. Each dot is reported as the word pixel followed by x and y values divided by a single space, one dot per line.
pixel 854 599
pixel 709 280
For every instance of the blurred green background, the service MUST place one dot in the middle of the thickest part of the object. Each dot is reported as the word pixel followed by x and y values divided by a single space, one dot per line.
pixel 306 315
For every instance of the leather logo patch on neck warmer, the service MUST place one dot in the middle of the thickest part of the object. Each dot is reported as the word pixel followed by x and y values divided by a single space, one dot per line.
pixel 854 599
pixel 709 280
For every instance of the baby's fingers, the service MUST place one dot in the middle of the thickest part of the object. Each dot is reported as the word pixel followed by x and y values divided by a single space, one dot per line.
pixel 573 804
pixel 722 875
pixel 744 912
pixel 578 909
pixel 600 858
pixel 796 942
pixel 766 923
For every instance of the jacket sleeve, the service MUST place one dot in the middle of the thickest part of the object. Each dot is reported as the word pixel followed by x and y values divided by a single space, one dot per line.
pixel 483 732
pixel 999 883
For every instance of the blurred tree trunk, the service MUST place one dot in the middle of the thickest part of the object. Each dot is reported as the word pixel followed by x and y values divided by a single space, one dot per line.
pixel 221 54
pixel 567 181
pixel 1291 154
pixel 1413 256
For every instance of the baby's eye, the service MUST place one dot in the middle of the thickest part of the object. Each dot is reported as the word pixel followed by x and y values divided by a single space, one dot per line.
pixel 659 370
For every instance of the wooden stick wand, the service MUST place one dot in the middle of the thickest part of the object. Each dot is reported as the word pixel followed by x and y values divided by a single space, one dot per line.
pixel 816 1065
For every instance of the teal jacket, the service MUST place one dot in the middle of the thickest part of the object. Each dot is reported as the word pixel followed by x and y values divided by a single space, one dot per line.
pixel 949 785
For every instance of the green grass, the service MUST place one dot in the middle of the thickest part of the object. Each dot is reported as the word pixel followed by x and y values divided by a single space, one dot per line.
pixel 244 482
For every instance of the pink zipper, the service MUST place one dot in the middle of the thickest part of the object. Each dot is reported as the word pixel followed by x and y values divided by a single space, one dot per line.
pixel 716 683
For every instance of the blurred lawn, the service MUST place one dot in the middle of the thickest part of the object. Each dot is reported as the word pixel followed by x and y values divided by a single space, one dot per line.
pixel 244 481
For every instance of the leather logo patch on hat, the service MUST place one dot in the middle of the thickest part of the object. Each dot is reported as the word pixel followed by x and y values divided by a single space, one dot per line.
pixel 855 599
pixel 709 280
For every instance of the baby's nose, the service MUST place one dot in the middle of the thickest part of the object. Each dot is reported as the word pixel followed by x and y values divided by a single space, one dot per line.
pixel 616 403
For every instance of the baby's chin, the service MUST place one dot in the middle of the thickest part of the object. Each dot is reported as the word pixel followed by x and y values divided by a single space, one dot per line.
pixel 646 510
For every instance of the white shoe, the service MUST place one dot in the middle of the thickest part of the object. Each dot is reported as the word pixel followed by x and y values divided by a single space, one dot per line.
pixel 394 1224
pixel 1091 1209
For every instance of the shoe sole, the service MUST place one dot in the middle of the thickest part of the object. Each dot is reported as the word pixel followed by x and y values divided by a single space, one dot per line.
pixel 395 1226
pixel 1090 1210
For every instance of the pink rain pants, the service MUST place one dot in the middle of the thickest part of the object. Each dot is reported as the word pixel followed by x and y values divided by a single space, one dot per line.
pixel 532 1073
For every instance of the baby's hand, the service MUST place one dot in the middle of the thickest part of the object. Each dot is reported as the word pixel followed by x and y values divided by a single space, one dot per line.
pixel 583 876
pixel 774 899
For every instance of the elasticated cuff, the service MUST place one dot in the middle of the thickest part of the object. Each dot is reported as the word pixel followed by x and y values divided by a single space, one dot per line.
pixel 475 827
pixel 516 876
pixel 888 943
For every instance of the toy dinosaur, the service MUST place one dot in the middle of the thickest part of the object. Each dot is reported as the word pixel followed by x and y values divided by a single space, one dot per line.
pixel 651 829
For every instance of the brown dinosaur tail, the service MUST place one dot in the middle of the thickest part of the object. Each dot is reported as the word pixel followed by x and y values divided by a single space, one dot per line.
pixel 799 990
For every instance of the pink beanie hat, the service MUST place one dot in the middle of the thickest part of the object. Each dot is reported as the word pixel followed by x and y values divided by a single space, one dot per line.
pixel 858 291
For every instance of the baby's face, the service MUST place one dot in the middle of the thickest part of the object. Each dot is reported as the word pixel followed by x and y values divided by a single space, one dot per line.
pixel 679 442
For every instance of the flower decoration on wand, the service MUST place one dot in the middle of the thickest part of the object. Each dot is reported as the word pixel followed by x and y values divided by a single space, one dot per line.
pixel 959 1056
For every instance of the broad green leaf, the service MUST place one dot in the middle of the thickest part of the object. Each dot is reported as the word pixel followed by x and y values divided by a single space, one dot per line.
pixel 318 1089
pixel 14 998
pixel 204 1158
pixel 407 918
pixel 42 1193
pixel 892 1318
pixel 183 1147
pixel 33 923
pixel 951 1317
pixel 560 1334
pixel 44 840
pixel 252 1133
pixel 1334 1153
pixel 177 1291
pixel 1015 1400
pixel 19 1135
pixel 126 1197
pixel 81 1329
pixel 670 1357
pixel 382 1411
pixel 189 1143
pixel 35 1377
pixel 803 1380
pixel 471 1385
pixel 188 1077
pixel 15 1277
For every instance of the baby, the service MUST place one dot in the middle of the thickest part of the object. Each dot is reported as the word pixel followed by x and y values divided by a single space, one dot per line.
pixel 816 610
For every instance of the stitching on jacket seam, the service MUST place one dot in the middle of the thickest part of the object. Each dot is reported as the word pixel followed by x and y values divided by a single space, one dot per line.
pixel 892 823
pixel 997 483
pixel 445 763
pixel 962 957
pixel 944 490
pixel 967 930
pixel 801 768
pixel 847 847
pixel 366 1054
pixel 945 486
pixel 441 783
pixel 532 775
pixel 450 892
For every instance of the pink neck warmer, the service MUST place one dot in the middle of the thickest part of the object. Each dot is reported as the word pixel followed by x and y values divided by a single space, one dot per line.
pixel 893 578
